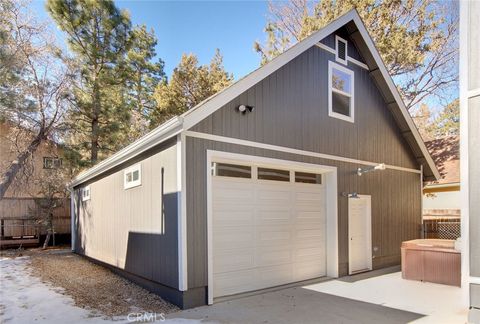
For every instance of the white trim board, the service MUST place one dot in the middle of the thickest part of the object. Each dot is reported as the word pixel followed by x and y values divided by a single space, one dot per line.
pixel 271 147
pixel 349 58
pixel 331 212
pixel 182 214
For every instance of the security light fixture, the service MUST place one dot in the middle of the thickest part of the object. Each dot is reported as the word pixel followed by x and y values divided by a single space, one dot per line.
pixel 350 195
pixel 243 109
pixel 380 167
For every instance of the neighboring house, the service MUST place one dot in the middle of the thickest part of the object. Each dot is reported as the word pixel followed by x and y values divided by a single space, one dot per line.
pixel 441 198
pixel 18 208
pixel 258 186
pixel 470 153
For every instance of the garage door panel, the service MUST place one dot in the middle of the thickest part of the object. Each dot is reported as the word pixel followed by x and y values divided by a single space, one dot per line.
pixel 267 255
pixel 272 236
pixel 233 282
pixel 274 275
pixel 227 236
pixel 308 269
pixel 223 217
pixel 233 260
pixel 270 216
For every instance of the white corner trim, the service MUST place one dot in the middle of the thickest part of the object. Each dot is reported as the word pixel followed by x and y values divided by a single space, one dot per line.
pixel 284 149
pixel 209 229
pixel 464 96
pixel 182 214
pixel 333 65
pixel 155 137
pixel 330 173
pixel 73 230
pixel 339 39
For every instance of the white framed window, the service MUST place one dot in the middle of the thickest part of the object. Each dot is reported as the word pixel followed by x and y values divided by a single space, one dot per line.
pixel 340 92
pixel 85 193
pixel 341 50
pixel 132 176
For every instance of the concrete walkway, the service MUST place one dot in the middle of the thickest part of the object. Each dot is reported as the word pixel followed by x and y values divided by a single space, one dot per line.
pixel 440 303
pixel 296 305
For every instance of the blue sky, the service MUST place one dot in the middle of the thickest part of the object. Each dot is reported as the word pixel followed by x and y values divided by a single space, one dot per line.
pixel 198 27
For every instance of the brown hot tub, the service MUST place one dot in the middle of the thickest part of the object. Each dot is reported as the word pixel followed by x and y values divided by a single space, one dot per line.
pixel 431 260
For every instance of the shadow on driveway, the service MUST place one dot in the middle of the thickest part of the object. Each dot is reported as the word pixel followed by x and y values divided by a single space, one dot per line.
pixel 296 305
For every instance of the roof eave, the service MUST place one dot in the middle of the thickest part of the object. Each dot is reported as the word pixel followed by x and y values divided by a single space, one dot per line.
pixel 163 132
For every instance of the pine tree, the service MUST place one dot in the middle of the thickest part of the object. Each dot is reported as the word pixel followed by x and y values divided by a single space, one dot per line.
pixel 189 85
pixel 98 34
pixel 145 72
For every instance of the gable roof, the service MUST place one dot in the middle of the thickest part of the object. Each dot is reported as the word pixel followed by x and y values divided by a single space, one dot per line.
pixel 358 33
pixel 445 152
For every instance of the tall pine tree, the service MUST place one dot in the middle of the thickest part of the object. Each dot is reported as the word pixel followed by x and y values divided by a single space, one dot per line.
pixel 189 85
pixel 98 34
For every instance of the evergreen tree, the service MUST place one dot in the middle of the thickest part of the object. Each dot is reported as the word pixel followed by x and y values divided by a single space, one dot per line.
pixel 189 85
pixel 145 72
pixel 447 123
pixel 417 39
pixel 98 34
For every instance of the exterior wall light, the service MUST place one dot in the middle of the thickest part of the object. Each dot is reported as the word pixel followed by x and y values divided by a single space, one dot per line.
pixel 350 195
pixel 243 109
pixel 380 167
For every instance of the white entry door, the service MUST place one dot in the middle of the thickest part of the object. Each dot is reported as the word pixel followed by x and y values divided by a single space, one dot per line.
pixel 360 234
pixel 266 233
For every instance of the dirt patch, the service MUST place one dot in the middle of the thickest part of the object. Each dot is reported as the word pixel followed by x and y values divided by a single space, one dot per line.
pixel 92 286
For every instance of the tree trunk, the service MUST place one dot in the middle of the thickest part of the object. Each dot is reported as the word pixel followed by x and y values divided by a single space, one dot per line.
pixel 95 125
pixel 16 165
pixel 47 239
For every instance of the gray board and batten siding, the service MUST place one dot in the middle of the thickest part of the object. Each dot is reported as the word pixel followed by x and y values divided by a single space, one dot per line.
pixel 136 229
pixel 291 110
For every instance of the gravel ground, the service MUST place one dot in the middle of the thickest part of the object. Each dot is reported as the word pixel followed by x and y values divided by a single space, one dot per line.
pixel 91 286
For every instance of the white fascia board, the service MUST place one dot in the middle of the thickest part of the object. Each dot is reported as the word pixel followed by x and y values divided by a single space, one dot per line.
pixel 396 94
pixel 165 131
pixel 209 106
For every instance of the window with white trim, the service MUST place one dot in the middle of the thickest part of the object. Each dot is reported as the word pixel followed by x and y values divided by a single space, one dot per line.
pixel 340 92
pixel 132 176
pixel 85 193
pixel 341 50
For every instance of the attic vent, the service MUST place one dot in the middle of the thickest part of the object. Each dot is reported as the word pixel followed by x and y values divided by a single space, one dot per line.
pixel 341 54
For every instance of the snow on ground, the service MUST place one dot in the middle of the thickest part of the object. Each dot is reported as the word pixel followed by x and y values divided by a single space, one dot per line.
pixel 26 299
pixel 441 303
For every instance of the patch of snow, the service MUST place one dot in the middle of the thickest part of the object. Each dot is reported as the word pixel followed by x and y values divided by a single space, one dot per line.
pixel 26 299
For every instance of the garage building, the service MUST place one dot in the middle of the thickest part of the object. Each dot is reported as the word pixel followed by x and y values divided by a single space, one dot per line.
pixel 309 167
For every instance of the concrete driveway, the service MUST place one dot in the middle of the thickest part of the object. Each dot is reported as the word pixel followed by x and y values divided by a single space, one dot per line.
pixel 296 305
pixel 379 296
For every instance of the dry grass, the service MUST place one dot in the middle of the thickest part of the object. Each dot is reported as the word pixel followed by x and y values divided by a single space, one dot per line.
pixel 92 286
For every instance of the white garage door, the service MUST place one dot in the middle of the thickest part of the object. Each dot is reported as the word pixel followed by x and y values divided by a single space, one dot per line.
pixel 268 227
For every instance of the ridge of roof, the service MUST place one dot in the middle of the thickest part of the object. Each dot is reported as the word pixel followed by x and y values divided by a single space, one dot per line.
pixel 194 115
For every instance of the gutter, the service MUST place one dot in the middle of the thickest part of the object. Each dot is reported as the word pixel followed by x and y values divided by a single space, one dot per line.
pixel 163 132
